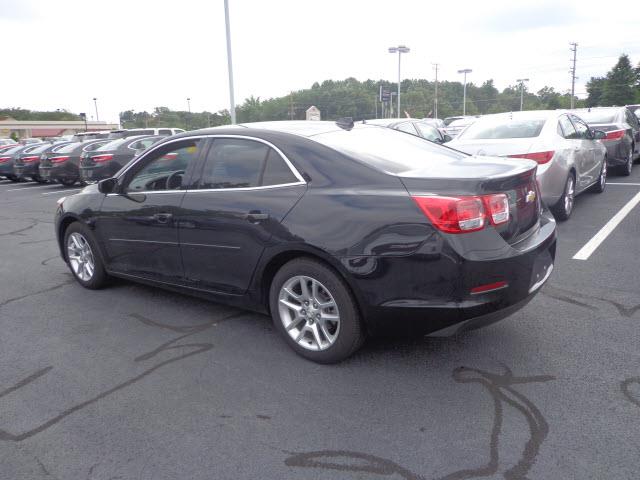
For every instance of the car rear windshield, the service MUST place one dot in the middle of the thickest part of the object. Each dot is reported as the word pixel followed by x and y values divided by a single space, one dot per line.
pixel 385 149
pixel 503 128
pixel 67 148
pixel 112 145
pixel 598 116
pixel 39 148
pixel 12 150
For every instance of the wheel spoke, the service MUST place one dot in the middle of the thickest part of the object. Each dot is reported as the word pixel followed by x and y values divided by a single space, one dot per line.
pixel 316 335
pixel 329 317
pixel 294 323
pixel 301 334
pixel 292 294
pixel 304 288
pixel 291 305
pixel 314 290
pixel 323 326
pixel 325 305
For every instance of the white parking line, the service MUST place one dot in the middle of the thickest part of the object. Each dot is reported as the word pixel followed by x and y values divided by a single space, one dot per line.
pixel 585 252
pixel 624 183
pixel 62 191
pixel 28 188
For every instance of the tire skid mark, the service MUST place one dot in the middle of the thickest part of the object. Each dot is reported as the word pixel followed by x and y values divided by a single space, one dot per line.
pixel 565 295
pixel 169 346
pixel 626 391
pixel 20 231
pixel 50 289
pixel 502 391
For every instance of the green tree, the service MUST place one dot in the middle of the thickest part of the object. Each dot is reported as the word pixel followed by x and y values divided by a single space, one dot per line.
pixel 620 82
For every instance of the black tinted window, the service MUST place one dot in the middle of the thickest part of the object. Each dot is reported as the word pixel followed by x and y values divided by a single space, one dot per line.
pixel 276 171
pixel 234 164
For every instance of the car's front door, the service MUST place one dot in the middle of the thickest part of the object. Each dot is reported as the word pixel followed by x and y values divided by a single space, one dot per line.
pixel 138 225
pixel 233 211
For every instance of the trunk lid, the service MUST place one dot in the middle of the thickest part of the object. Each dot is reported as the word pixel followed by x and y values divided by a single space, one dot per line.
pixel 481 176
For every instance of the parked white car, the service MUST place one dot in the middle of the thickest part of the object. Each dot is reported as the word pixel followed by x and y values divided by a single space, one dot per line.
pixel 570 157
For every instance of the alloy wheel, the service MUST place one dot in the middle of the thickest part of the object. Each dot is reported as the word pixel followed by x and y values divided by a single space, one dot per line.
pixel 603 174
pixel 309 313
pixel 569 195
pixel 629 164
pixel 80 257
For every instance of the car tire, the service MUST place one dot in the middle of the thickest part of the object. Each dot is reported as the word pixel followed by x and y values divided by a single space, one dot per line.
pixel 67 182
pixel 82 256
pixel 601 184
pixel 13 178
pixel 324 334
pixel 38 179
pixel 627 168
pixel 563 208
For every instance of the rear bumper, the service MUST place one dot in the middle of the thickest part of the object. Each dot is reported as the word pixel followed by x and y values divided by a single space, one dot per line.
pixel 98 172
pixel 617 152
pixel 26 170
pixel 60 172
pixel 6 168
pixel 436 287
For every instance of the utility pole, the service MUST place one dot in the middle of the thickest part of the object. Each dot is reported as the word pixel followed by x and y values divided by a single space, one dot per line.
pixel 291 106
pixel 232 109
pixel 95 102
pixel 573 73
pixel 521 82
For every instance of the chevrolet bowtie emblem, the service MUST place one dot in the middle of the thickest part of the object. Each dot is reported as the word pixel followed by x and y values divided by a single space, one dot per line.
pixel 531 196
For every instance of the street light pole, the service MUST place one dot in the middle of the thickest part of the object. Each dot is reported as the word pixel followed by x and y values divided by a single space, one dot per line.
pixel 189 104
pixel 232 109
pixel 464 90
pixel 95 103
pixel 521 82
pixel 400 49
pixel 435 99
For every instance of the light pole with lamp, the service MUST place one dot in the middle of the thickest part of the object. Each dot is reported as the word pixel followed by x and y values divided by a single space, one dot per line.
pixel 464 90
pixel 400 49
pixel 95 103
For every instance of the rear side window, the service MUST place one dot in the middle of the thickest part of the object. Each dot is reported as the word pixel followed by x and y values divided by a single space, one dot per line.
pixel 567 129
pixel 165 131
pixel 428 132
pixel 93 146
pixel 239 163
pixel 407 127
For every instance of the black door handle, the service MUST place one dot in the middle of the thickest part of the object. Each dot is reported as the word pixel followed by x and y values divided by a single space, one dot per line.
pixel 163 217
pixel 256 216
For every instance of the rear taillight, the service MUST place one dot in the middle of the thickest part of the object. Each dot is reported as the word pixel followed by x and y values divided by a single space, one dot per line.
pixel 59 159
pixel 31 159
pixel 539 157
pixel 464 214
pixel 4 159
pixel 102 158
pixel 489 287
pixel 614 135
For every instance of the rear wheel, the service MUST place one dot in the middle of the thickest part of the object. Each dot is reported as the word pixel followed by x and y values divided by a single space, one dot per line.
pixel 315 312
pixel 627 168
pixel 38 178
pixel 602 179
pixel 13 178
pixel 562 210
pixel 82 256
pixel 68 182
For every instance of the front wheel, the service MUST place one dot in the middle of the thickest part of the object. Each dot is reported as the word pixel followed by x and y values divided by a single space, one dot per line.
pixel 562 210
pixel 68 182
pixel 82 255
pixel 315 312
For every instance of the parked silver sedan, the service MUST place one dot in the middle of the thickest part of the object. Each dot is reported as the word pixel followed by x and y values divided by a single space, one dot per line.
pixel 570 156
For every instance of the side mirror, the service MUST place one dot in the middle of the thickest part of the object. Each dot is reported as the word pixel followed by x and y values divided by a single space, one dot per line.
pixel 108 185
pixel 599 134
pixel 447 138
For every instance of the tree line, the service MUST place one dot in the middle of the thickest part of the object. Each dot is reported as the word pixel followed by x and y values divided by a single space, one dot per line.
pixel 359 100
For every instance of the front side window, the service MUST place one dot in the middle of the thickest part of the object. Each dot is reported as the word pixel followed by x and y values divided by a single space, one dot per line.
pixel 240 163
pixel 165 168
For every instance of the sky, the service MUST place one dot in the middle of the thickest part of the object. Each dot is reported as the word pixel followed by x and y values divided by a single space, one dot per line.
pixel 140 54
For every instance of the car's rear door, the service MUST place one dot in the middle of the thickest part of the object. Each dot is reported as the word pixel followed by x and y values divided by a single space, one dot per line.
pixel 138 227
pixel 233 211
pixel 590 162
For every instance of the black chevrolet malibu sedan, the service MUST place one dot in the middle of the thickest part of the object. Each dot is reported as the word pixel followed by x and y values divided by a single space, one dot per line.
pixel 111 157
pixel 27 163
pixel 62 164
pixel 8 157
pixel 336 230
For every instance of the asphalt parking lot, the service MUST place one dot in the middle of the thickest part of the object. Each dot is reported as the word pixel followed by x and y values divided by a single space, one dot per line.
pixel 133 382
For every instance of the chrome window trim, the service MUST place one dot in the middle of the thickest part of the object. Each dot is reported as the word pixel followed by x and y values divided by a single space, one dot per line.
pixel 195 190
pixel 154 147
